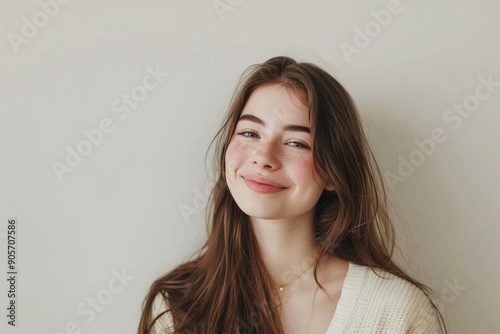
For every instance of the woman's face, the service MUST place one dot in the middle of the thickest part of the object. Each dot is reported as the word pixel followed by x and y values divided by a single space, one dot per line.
pixel 269 163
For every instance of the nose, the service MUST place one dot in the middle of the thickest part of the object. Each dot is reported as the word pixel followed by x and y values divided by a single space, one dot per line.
pixel 266 155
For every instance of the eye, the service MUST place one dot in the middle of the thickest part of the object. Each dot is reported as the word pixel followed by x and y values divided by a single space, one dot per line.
pixel 299 144
pixel 250 134
pixel 295 143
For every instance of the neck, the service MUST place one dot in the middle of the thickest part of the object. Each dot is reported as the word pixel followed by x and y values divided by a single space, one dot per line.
pixel 287 246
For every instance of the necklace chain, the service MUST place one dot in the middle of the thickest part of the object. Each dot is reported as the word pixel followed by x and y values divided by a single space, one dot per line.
pixel 284 285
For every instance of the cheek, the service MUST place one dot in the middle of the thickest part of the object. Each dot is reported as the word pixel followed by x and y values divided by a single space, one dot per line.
pixel 303 170
pixel 234 156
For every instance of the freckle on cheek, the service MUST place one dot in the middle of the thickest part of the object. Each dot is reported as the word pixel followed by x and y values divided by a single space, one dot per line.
pixel 276 152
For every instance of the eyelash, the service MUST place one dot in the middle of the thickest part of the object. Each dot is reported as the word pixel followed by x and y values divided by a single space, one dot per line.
pixel 301 145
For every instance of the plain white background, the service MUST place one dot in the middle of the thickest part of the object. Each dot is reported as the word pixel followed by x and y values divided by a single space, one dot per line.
pixel 133 206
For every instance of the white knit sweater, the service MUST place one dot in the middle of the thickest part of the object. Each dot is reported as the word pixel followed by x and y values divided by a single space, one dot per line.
pixel 368 304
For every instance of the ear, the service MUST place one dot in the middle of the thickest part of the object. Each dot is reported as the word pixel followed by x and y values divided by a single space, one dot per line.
pixel 329 187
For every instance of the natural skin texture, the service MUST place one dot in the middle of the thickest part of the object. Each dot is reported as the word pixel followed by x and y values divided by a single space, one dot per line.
pixel 282 218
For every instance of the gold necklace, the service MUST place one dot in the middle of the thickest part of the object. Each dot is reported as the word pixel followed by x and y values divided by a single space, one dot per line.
pixel 284 285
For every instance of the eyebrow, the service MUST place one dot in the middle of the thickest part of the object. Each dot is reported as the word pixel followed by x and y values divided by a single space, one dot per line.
pixel 289 127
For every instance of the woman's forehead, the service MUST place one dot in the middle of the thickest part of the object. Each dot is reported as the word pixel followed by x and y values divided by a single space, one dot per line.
pixel 277 102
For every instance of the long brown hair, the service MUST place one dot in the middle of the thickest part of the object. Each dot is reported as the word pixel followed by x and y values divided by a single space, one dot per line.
pixel 226 288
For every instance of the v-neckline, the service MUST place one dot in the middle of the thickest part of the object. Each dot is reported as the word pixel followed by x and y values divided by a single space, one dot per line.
pixel 349 295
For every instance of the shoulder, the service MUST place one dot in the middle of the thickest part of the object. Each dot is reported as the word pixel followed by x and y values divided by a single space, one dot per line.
pixel 390 301
pixel 160 309
pixel 391 288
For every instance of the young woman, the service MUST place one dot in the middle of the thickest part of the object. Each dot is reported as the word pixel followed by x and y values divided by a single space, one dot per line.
pixel 299 240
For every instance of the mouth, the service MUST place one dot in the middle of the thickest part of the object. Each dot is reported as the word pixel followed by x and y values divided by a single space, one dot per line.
pixel 260 185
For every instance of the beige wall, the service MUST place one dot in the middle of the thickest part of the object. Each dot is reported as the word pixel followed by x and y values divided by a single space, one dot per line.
pixel 102 225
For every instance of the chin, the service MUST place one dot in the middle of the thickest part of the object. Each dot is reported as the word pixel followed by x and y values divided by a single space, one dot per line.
pixel 261 212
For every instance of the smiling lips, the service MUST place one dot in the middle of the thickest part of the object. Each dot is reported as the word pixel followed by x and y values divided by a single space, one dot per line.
pixel 262 185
